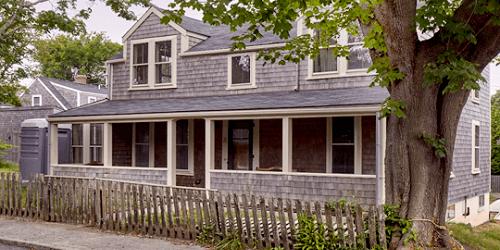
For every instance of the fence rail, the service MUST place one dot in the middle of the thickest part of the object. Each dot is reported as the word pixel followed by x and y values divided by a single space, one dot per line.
pixel 184 212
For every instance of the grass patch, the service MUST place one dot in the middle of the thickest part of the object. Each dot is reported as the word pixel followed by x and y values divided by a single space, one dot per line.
pixel 486 236
pixel 7 167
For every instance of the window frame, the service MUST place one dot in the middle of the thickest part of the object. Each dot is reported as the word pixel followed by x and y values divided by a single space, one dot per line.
pixel 449 209
pixel 151 84
pixel 82 146
pixel 342 63
pixel 358 156
pixel 33 100
pixel 474 98
pixel 94 147
pixel 475 169
pixel 190 170
pixel 252 83
pixel 479 201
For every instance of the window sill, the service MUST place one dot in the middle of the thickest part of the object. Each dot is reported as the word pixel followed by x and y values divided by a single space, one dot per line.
pixel 475 100
pixel 241 86
pixel 169 86
pixel 337 75
pixel 476 171
pixel 184 172
pixel 452 175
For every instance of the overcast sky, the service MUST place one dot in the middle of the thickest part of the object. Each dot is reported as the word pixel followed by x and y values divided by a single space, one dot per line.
pixel 104 20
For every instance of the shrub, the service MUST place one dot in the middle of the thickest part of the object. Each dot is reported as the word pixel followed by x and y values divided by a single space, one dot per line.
pixel 230 242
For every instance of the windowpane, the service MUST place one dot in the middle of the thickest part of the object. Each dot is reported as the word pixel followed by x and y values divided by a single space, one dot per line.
pixel 140 53
pixel 182 141
pixel 476 136
pixel 163 51
pixel 476 157
pixel 140 74
pixel 142 132
pixel 163 73
pixel 77 155
pixel 343 130
pixel 96 134
pixel 359 58
pixel 142 155
pixel 343 159
pixel 77 134
pixel 36 101
pixel 450 211
pixel 95 155
pixel 325 61
pixel 476 94
pixel 240 69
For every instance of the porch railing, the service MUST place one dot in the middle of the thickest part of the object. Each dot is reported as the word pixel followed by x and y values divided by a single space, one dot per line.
pixel 186 213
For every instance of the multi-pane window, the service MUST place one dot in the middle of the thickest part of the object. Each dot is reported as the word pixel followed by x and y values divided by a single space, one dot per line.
pixel 77 143
pixel 36 100
pixel 153 63
pixel 142 144
pixel 359 57
pixel 163 67
pixel 140 64
pixel 325 61
pixel 450 212
pixel 343 145
pixel 241 69
pixel 182 144
pixel 96 139
pixel 475 146
pixel 481 200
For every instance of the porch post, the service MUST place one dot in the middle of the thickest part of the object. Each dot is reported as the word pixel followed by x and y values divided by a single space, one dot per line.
pixel 53 156
pixel 209 149
pixel 107 144
pixel 380 158
pixel 287 144
pixel 171 152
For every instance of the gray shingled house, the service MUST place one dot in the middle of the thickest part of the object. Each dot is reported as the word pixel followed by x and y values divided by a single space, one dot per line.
pixel 45 96
pixel 186 110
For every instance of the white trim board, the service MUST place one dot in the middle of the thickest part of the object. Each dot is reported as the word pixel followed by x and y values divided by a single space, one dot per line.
pixel 236 114
pixel 52 94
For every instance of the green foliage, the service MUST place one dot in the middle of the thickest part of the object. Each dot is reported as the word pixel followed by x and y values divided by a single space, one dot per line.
pixel 312 235
pixel 453 71
pixel 207 236
pixel 9 93
pixel 88 52
pixel 230 242
pixel 495 133
pixel 396 226
pixel 6 166
pixel 483 237
pixel 393 107
pixel 438 144
pixel 22 22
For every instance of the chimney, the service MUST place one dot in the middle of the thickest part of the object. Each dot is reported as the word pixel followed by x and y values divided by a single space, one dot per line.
pixel 81 79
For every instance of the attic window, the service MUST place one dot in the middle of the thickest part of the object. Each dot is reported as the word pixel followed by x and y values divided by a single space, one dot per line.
pixel 241 71
pixel 36 100
pixel 153 63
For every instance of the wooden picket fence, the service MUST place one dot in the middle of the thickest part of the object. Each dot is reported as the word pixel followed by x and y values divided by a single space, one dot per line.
pixel 185 213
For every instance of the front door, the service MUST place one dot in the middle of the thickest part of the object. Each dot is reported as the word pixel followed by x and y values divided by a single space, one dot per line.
pixel 240 145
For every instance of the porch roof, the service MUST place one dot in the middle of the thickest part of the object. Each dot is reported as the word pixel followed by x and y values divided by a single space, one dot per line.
pixel 254 101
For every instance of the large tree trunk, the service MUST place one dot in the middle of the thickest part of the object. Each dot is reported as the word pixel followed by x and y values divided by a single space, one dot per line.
pixel 416 178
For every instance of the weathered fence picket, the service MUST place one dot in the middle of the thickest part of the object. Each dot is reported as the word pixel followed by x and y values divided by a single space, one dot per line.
pixel 184 212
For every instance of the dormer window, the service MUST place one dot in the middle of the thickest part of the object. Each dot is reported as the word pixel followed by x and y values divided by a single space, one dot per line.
pixel 327 65
pixel 241 71
pixel 36 100
pixel 153 63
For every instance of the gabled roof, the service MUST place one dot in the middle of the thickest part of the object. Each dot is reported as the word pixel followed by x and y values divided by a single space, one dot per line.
pixel 49 84
pixel 346 97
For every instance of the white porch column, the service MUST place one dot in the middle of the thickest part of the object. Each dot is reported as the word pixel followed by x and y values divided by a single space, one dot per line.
pixel 54 147
pixel 287 144
pixel 209 150
pixel 171 152
pixel 380 158
pixel 107 144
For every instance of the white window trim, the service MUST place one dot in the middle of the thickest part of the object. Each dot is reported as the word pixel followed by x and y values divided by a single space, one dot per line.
pixel 342 62
pixel 91 99
pixel 473 97
pixel 190 170
pixel 82 146
pixel 358 146
pixel 481 208
pixel 152 64
pixel 251 84
pixel 33 100
pixel 454 212
pixel 475 169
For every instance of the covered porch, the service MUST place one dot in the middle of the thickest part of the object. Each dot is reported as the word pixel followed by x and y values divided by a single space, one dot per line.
pixel 320 153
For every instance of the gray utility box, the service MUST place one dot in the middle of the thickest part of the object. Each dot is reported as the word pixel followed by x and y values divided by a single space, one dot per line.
pixel 35 147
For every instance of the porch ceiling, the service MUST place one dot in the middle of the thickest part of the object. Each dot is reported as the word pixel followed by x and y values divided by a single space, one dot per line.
pixel 255 101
